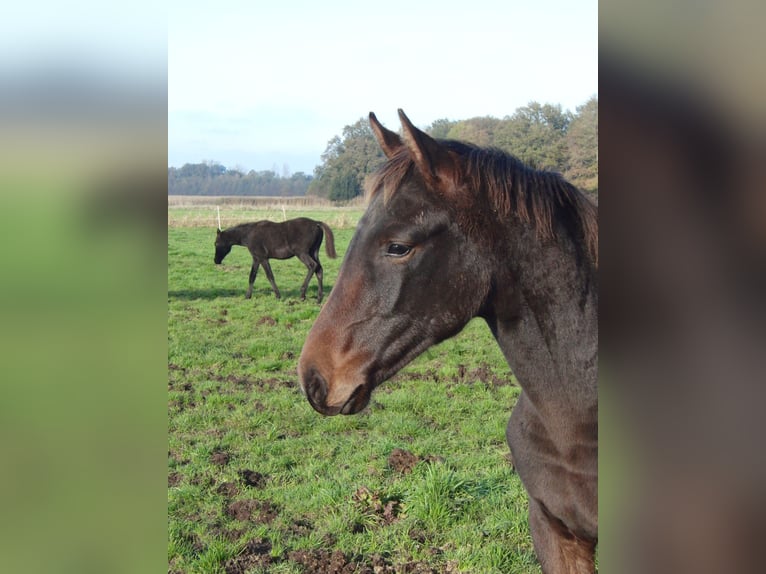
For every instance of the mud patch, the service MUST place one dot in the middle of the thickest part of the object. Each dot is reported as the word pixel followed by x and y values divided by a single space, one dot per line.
pixel 252 478
pixel 257 553
pixel 228 489
pixel 481 374
pixel 174 478
pixel 300 528
pixel 271 383
pixel 220 458
pixel 485 375
pixel 402 460
pixel 336 562
pixel 258 511
pixel 380 566
pixel 327 562
pixel 266 320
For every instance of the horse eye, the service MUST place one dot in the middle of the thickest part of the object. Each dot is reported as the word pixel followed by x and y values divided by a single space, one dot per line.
pixel 398 250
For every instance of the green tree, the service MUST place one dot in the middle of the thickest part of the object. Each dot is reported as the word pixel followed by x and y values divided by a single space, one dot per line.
pixel 440 128
pixel 211 178
pixel 479 131
pixel 542 135
pixel 536 134
pixel 582 145
pixel 344 187
pixel 351 156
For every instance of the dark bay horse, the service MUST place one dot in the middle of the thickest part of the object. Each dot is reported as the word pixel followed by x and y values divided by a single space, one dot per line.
pixel 300 237
pixel 453 231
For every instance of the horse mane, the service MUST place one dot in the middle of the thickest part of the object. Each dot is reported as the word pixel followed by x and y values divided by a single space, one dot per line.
pixel 236 230
pixel 508 187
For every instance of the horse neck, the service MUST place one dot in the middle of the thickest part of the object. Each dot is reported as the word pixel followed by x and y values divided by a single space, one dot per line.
pixel 544 318
pixel 236 235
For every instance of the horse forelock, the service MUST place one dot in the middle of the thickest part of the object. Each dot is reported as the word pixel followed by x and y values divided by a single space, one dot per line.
pixel 390 176
pixel 495 180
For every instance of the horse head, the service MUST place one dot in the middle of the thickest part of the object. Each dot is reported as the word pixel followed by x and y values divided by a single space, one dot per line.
pixel 410 278
pixel 222 246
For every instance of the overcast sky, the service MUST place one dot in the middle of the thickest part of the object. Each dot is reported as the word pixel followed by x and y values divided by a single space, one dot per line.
pixel 263 85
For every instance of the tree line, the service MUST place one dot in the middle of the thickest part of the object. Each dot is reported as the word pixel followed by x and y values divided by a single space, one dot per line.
pixel 541 135
pixel 212 178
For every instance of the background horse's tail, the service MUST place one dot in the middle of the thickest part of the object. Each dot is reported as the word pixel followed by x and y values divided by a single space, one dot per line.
pixel 329 245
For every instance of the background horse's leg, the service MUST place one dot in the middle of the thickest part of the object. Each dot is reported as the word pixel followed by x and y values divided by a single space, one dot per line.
pixel 320 274
pixel 559 551
pixel 253 271
pixel 311 265
pixel 270 276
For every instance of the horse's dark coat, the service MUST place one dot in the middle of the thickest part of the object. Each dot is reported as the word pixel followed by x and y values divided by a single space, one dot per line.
pixel 266 240
pixel 451 232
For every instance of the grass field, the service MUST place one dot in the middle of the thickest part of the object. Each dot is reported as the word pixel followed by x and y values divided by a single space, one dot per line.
pixel 259 482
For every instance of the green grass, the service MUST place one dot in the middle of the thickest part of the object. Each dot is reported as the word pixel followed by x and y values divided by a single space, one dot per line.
pixel 326 484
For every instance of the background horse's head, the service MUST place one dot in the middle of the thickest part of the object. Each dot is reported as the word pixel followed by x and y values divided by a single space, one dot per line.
pixel 411 276
pixel 222 246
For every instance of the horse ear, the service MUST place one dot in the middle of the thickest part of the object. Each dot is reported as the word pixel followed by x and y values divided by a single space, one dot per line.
pixel 432 159
pixel 389 141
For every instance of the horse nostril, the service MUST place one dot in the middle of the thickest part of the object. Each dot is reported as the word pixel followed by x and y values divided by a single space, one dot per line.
pixel 316 389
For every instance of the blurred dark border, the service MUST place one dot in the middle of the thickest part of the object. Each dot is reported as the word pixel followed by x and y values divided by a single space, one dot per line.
pixel 683 239
pixel 83 160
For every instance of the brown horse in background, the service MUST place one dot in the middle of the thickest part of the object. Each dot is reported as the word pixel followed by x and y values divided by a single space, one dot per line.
pixel 451 232
pixel 300 237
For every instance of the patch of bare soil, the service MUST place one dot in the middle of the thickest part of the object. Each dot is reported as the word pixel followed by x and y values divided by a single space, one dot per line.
pixel 380 566
pixel 327 562
pixel 256 553
pixel 336 562
pixel 270 383
pixel 220 458
pixel 485 375
pixel 258 511
pixel 252 478
pixel 228 489
pixel 402 460
pixel 481 374
pixel 266 320
pixel 300 528
pixel 174 478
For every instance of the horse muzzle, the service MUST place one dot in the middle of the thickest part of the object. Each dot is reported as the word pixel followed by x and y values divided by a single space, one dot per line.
pixel 336 401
